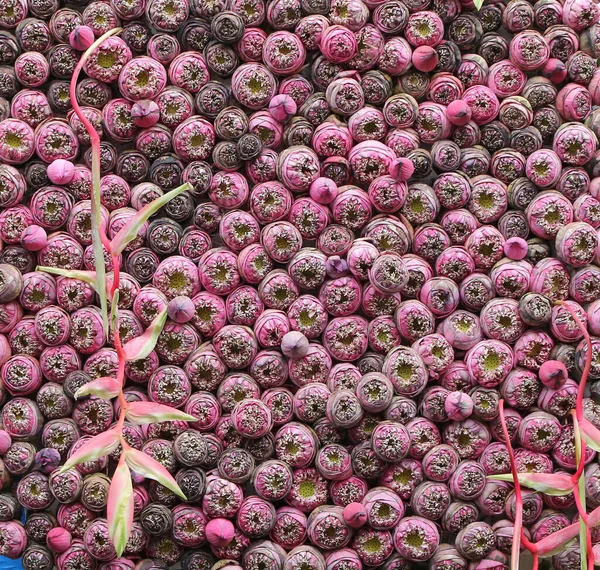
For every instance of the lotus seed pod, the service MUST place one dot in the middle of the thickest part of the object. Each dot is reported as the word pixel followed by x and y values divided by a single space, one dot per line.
pixel 181 309
pixel 81 38
pixel 61 171
pixel 355 515
pixel 282 108
pixel 458 406
pixel 425 58
pixel 553 374
pixel 323 190
pixel 59 539
pixel 294 345
pixel 145 113
pixel 220 532
pixel 515 248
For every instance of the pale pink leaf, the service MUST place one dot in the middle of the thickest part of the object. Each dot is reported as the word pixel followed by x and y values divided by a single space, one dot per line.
pixel 554 484
pixel 141 346
pixel 99 446
pixel 144 465
pixel 130 230
pixel 119 509
pixel 557 541
pixel 142 413
pixel 87 276
pixel 105 388
pixel 590 433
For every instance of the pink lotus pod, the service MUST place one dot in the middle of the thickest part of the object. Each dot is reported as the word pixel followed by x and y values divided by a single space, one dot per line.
pixel 574 102
pixel 331 138
pixel 432 123
pixel 555 70
pixel 430 499
pixel 401 169
pixel 338 44
pixel 506 79
pixel 290 528
pixel 553 374
pixel 416 526
pixel 296 444
pixel 283 53
pixel 352 207
pixel 46 136
pixel 580 15
pixel 345 338
pixel 52 326
pixel 58 539
pixel 425 58
pixel 404 358
pixel 490 361
pixel 424 28
pixel 271 131
pixel 576 244
pixel 543 168
pixel 388 193
pixel 533 348
pixel 156 80
pixel 414 320
pixel 236 346
pixel 254 263
pixel 341 297
pixel 145 113
pixel 218 271
pixel 556 401
pixel 323 190
pixel 61 171
pixel 298 168
pixel 529 50
pixel 327 528
pixel 270 202
pixel 483 103
pixel 193 139
pixel 343 558
pixel 281 240
pixel 15 539
pixel 334 462
pixel 574 133
pixel 271 327
pixel 252 419
pixel 345 95
pixel 551 278
pixel 219 532
pixel 486 246
pixel 441 295
pixel 515 248
pixel 278 290
pixel 282 108
pixel 255 73
pixel 539 431
pixel 181 309
pixel 249 46
pixel 563 326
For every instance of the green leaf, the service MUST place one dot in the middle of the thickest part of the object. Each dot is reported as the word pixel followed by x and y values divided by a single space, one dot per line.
pixel 143 413
pixel 478 4
pixel 114 310
pixel 87 276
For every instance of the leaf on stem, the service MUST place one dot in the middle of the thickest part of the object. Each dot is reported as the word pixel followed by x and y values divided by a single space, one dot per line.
pixel 141 346
pixel 130 230
pixel 99 446
pixel 114 310
pixel 554 484
pixel 144 465
pixel 142 413
pixel 87 276
pixel 557 541
pixel 590 433
pixel 119 508
pixel 478 4
pixel 105 388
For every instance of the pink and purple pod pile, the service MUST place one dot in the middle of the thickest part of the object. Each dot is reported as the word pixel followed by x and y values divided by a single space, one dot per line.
pixel 394 217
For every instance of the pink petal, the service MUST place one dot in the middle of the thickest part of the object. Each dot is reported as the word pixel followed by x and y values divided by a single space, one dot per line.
pixel 150 412
pixel 144 465
pixel 141 346
pixel 99 446
pixel 555 484
pixel 105 388
pixel 119 508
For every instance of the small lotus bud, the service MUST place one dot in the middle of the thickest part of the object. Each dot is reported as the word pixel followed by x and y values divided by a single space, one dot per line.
pixel 151 564
pixel 553 374
pixel 58 539
pixel 47 460
pixel 425 58
pixel 402 169
pixel 145 113
pixel 5 441
pixel 180 309
pixel 515 248
pixel 220 532
pixel 34 238
pixel 555 70
pixel 323 190
pixel 458 113
pixel 61 171
pixel 355 515
pixel 282 108
pixel 294 345
pixel 81 38
pixel 458 406
pixel 336 267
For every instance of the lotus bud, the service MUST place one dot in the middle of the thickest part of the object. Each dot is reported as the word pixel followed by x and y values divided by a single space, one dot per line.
pixel 47 460
pixel 425 58
pixel 151 564
pixel 515 248
pixel 5 441
pixel 555 70
pixel 458 113
pixel 220 532
pixel 355 515
pixel 294 345
pixel 145 113
pixel 336 267
pixel 181 309
pixel 553 374
pixel 458 406
pixel 323 190
pixel 282 107
pixel 402 169
pixel 81 38
pixel 61 171
pixel 59 538
pixel 11 283
pixel 34 238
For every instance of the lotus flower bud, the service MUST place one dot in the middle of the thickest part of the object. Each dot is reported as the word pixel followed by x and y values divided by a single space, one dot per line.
pixel 59 538
pixel 425 58
pixel 555 70
pixel 402 169
pixel 47 460
pixel 294 345
pixel 61 171
pixel 81 38
pixel 458 406
pixel 5 441
pixel 145 113
pixel 181 309
pixel 355 515
pixel 553 374
pixel 282 107
pixel 220 532
pixel 323 190
pixel 458 113
pixel 34 238
pixel 336 267
pixel 515 248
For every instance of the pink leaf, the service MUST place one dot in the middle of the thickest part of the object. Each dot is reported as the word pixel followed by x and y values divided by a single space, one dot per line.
pixel 590 433
pixel 130 230
pixel 119 509
pixel 150 412
pixel 105 388
pixel 556 542
pixel 141 346
pixel 87 276
pixel 554 484
pixel 144 465
pixel 99 446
